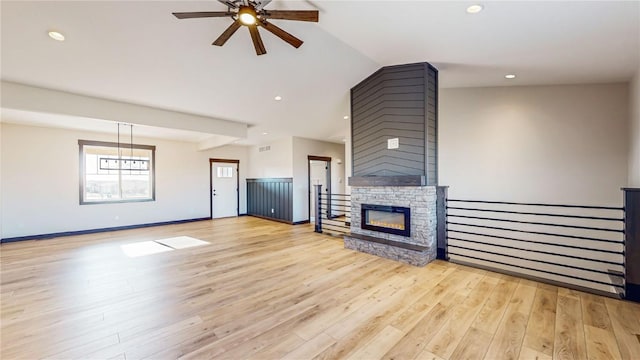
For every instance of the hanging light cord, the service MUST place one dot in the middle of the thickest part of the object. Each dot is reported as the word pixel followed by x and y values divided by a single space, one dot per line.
pixel 119 154
pixel 131 149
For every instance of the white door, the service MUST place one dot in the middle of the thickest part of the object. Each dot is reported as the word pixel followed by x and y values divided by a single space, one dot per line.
pixel 317 176
pixel 224 181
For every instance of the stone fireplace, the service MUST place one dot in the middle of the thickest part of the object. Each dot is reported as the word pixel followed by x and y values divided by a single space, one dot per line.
pixel 394 123
pixel 419 247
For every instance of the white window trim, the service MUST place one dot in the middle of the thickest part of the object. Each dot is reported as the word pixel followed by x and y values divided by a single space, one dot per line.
pixel 83 143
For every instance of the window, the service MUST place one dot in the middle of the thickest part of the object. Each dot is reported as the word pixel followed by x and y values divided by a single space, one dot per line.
pixel 225 172
pixel 109 173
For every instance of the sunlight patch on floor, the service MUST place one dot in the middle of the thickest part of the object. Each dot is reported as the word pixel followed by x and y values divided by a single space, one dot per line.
pixel 182 242
pixel 144 248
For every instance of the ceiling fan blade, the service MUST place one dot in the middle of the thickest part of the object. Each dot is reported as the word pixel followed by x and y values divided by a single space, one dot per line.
pixel 299 15
pixel 229 3
pixel 292 40
pixel 201 14
pixel 227 33
pixel 257 40
pixel 262 4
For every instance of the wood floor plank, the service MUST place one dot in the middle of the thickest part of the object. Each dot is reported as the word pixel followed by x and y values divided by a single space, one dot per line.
pixel 266 290
pixel 449 336
pixel 626 327
pixel 601 344
pixel 507 341
pixel 474 345
pixel 569 340
pixel 491 313
pixel 539 335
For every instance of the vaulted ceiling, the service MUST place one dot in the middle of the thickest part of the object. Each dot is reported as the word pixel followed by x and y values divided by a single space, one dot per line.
pixel 137 52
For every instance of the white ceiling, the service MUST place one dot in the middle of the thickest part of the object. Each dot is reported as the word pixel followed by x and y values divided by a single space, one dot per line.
pixel 137 52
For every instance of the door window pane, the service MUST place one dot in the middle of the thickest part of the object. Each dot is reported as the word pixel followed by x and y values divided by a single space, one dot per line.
pixel 224 171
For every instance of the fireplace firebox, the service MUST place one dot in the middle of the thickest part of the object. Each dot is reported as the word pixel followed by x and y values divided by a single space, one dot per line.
pixel 388 219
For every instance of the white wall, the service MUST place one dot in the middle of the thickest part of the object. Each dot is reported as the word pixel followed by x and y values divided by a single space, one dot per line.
pixel 39 183
pixel 274 163
pixel 556 144
pixel 301 149
pixel 634 132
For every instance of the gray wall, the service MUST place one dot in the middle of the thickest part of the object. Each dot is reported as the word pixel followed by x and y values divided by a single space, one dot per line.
pixel 396 102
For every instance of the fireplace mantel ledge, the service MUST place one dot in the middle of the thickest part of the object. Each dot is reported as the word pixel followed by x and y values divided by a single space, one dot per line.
pixel 402 180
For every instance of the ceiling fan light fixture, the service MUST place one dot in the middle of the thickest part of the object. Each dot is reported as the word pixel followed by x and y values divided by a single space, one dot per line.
pixel 56 36
pixel 247 16
pixel 474 9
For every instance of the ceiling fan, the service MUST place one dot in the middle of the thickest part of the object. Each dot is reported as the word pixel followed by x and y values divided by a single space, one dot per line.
pixel 252 14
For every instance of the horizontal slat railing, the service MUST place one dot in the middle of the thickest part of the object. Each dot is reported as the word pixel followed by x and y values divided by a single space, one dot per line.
pixel 333 212
pixel 578 246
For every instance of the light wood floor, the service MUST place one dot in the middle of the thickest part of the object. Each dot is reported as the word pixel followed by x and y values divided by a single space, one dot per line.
pixel 266 290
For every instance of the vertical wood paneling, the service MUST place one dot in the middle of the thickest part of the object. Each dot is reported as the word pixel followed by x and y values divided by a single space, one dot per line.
pixel 396 102
pixel 270 193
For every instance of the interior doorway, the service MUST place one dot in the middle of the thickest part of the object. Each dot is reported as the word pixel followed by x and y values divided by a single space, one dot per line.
pixel 224 191
pixel 319 174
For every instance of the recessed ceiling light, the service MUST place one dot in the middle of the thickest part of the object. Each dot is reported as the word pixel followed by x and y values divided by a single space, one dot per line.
pixel 346 117
pixel 265 133
pixel 56 36
pixel 510 76
pixel 474 9
pixel 278 98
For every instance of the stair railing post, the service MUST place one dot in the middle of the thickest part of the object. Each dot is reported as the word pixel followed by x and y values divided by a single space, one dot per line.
pixel 318 208
pixel 632 243
pixel 441 225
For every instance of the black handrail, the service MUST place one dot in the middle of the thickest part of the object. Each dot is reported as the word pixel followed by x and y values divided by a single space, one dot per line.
pixel 539 214
pixel 537 260
pixel 539 242
pixel 537 204
pixel 539 233
pixel 538 251
pixel 538 223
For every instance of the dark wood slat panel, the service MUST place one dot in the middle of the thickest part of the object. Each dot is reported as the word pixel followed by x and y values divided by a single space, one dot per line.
pixel 377 103
pixel 380 77
pixel 411 92
pixel 397 165
pixel 390 120
pixel 417 150
pixel 397 154
pixel 395 133
pixel 397 90
pixel 373 130
pixel 386 79
pixel 387 169
pixel 266 194
pixel 393 108
pixel 402 159
pixel 395 112
pixel 390 82
pixel 381 95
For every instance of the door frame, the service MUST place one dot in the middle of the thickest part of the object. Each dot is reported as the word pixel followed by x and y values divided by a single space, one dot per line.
pixel 326 159
pixel 229 161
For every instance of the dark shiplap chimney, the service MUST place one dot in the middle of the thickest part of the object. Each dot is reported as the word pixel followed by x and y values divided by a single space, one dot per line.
pixel 396 102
